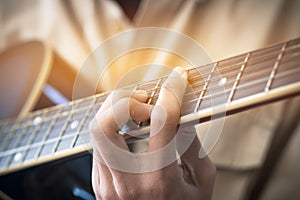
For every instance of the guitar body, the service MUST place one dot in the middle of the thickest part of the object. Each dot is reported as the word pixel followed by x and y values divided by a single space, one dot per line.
pixel 25 69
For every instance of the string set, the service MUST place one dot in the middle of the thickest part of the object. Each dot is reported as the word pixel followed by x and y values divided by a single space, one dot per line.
pixel 196 86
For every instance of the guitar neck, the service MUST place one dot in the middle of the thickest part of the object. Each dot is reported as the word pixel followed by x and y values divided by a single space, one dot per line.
pixel 215 89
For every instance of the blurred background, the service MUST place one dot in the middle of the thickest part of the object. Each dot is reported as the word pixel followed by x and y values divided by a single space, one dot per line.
pixel 50 40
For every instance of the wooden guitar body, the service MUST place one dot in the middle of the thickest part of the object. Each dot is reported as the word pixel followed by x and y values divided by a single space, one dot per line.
pixel 24 70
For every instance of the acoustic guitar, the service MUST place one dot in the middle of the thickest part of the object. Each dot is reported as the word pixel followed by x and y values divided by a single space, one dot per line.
pixel 247 80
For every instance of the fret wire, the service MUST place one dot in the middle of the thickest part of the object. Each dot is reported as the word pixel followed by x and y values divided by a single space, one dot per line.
pixel 107 92
pixel 55 107
pixel 81 125
pixel 259 68
pixel 261 80
pixel 195 76
pixel 10 136
pixel 101 95
pixel 14 146
pixel 256 71
pixel 241 86
pixel 282 74
pixel 205 87
pixel 264 78
pixel 33 135
pixel 215 85
pixel 48 130
pixel 30 146
pixel 25 145
pixel 257 60
pixel 155 90
pixel 62 133
pixel 39 145
pixel 286 78
pixel 268 86
pixel 8 141
pixel 40 113
pixel 237 80
pixel 50 118
pixel 5 142
pixel 12 128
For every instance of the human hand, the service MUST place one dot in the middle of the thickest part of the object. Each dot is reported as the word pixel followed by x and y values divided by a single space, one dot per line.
pixel 153 178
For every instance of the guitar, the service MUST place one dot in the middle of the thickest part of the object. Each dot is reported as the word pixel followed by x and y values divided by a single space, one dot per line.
pixel 248 80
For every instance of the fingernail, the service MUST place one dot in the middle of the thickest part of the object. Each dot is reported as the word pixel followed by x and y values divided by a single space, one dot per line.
pixel 180 71
pixel 141 92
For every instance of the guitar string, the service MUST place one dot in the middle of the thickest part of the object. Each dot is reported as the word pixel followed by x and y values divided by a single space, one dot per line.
pixel 245 76
pixel 43 143
pixel 80 132
pixel 247 79
pixel 215 96
pixel 107 93
pixel 74 112
pixel 289 73
pixel 251 64
pixel 37 112
pixel 240 86
pixel 166 76
pixel 244 86
pixel 293 43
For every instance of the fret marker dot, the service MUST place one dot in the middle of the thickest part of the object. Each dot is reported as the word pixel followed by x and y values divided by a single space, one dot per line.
pixel 222 81
pixel 18 157
pixel 37 120
pixel 74 124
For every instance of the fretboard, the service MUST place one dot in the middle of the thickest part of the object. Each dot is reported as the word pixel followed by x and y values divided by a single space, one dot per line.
pixel 229 85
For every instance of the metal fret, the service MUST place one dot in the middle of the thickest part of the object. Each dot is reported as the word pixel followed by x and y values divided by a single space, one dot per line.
pixel 274 70
pixel 82 123
pixel 238 77
pixel 18 157
pixel 9 136
pixel 282 80
pixel 4 136
pixel 31 151
pixel 48 130
pixel 13 139
pixel 205 87
pixel 150 100
pixel 155 91
pixel 65 143
pixel 68 128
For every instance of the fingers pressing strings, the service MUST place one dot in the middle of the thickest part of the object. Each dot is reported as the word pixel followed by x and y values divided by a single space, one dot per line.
pixel 166 112
pixel 120 170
